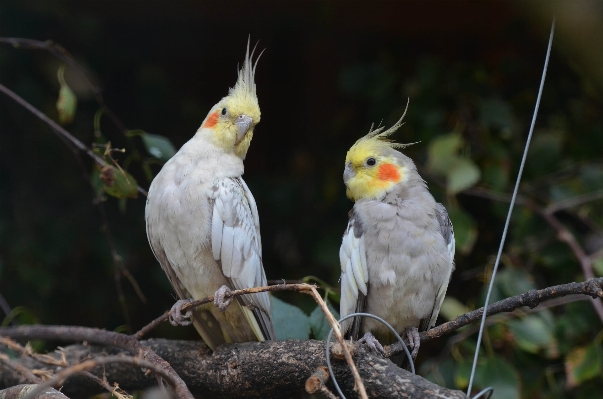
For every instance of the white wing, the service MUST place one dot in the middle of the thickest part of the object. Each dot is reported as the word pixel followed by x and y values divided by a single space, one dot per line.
pixel 354 271
pixel 236 245
pixel 448 234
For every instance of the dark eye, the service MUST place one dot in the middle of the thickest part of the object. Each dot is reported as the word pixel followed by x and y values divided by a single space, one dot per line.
pixel 224 111
pixel 371 161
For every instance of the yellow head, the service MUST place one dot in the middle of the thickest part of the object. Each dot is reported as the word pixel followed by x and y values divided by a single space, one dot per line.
pixel 233 119
pixel 373 166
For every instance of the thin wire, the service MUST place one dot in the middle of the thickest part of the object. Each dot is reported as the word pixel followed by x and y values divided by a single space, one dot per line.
pixel 486 393
pixel 502 240
pixel 372 316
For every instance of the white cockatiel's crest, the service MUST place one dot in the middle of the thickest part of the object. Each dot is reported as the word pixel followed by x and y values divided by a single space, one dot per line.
pixel 245 89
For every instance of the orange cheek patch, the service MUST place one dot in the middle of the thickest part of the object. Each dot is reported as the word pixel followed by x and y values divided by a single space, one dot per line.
pixel 388 172
pixel 212 120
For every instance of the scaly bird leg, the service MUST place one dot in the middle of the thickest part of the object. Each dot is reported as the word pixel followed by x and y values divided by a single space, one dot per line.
pixel 220 299
pixel 413 339
pixel 176 317
pixel 372 342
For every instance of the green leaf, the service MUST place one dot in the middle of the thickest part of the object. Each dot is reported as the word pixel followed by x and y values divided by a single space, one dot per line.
pixel 67 101
pixel 496 113
pixel 598 267
pixel 290 322
pixel 452 307
pixel 495 175
pixel 497 373
pixel 116 183
pixel 441 152
pixel 532 333
pixel 583 363
pixel 465 231
pixel 462 174
pixel 318 321
pixel 514 281
pixel 158 146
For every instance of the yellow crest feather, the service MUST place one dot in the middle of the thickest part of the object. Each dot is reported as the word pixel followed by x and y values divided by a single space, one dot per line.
pixel 244 89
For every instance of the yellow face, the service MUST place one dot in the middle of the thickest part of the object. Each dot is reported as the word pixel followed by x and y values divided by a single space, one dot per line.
pixel 369 175
pixel 233 120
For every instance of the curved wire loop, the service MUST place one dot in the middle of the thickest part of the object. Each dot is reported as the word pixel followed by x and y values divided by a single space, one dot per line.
pixel 486 393
pixel 372 316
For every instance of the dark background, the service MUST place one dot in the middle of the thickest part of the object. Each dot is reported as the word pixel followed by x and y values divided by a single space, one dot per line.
pixel 329 70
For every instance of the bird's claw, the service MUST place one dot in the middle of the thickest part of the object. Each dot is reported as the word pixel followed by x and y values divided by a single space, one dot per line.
pixel 414 340
pixel 176 317
pixel 220 299
pixel 372 342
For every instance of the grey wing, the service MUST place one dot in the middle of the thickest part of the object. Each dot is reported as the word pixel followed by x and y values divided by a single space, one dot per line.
pixel 236 245
pixel 354 274
pixel 447 232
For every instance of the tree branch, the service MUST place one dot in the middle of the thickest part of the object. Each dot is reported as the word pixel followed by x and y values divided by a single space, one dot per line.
pixel 592 287
pixel 270 369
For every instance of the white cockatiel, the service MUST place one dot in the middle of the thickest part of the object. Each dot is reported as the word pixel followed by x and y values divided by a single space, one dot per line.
pixel 397 252
pixel 203 224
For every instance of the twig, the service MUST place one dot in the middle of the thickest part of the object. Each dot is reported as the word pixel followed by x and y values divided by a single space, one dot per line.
pixel 89 364
pixel 317 383
pixel 25 373
pixel 113 390
pixel 592 287
pixel 102 337
pixel 574 201
pixel 59 131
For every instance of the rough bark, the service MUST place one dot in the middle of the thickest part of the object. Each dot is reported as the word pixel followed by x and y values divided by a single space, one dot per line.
pixel 21 391
pixel 272 369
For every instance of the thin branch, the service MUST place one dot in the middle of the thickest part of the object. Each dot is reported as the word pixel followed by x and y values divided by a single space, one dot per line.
pixel 59 131
pixel 102 337
pixel 592 287
pixel 58 379
pixel 574 201
pixel 25 373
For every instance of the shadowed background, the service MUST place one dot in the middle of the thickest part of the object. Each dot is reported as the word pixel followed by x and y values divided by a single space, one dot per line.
pixel 329 70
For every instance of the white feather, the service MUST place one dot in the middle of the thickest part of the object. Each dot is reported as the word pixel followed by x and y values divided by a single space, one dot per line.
pixel 356 267
pixel 351 280
pixel 216 233
pixel 363 262
pixel 227 248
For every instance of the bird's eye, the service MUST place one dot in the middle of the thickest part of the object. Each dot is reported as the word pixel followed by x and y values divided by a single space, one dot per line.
pixel 224 111
pixel 371 161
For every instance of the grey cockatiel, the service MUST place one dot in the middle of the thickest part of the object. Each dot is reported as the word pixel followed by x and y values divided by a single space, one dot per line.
pixel 203 224
pixel 397 253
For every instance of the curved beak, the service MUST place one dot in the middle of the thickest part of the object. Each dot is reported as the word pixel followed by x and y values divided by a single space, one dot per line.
pixel 348 172
pixel 243 123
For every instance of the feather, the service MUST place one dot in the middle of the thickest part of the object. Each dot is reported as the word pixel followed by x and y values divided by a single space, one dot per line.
pixel 216 233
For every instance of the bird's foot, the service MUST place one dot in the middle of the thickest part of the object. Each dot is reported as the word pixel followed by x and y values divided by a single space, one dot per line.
pixel 220 299
pixel 413 339
pixel 177 318
pixel 372 342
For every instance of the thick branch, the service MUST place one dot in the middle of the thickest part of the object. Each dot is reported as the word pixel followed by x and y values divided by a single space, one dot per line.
pixel 271 369
pixel 592 287
pixel 20 391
